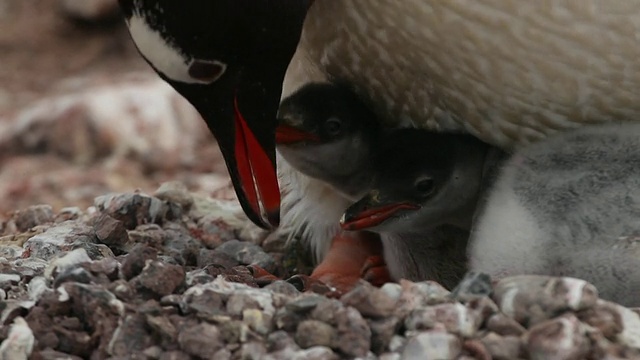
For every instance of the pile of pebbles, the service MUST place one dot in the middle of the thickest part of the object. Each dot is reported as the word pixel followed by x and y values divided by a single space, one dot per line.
pixel 165 276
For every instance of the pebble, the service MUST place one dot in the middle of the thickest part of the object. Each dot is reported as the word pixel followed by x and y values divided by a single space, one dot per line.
pixel 159 278
pixel 201 340
pixel 503 325
pixel 530 299
pixel 136 260
pixel 415 295
pixel 287 320
pixel 369 300
pixel 315 353
pixel 392 290
pixel 383 332
pixel 207 304
pixel 33 216
pixel 151 235
pixel 175 192
pixel 252 351
pixel 107 266
pixel 563 338
pixel 163 327
pixel 311 333
pixel 257 321
pixel 199 276
pixel 280 340
pixel 502 347
pixel 630 335
pixel 10 252
pixel 59 239
pixel 283 287
pixel 130 336
pixel 174 355
pixel 49 354
pixel 6 280
pixel 275 242
pixel 305 303
pixel 68 213
pixel 238 302
pixel 122 290
pixel 247 254
pixel 354 334
pixel 215 215
pixel 606 317
pixel 111 232
pixel 214 230
pixel 132 209
pixel 472 286
pixel 181 246
pixel 455 317
pixel 213 257
pixel 328 311
pixel 66 262
pixel 390 356
pixel 78 274
pixel 19 343
pixel 432 344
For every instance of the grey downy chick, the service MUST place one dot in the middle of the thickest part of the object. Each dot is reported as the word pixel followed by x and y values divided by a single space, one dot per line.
pixel 326 132
pixel 423 198
pixel 568 205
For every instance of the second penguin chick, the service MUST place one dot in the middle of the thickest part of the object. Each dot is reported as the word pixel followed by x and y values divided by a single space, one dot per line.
pixel 567 205
pixel 424 194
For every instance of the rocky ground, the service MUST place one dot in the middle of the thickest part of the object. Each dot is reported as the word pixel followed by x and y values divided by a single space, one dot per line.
pixel 120 236
pixel 165 276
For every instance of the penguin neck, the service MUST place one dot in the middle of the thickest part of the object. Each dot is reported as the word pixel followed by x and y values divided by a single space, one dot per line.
pixel 421 235
pixel 438 255
pixel 352 186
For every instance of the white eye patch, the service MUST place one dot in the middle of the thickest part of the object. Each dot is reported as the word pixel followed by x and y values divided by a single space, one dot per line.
pixel 168 60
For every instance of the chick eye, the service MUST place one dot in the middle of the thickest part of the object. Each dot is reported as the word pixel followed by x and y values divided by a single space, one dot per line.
pixel 333 126
pixel 425 186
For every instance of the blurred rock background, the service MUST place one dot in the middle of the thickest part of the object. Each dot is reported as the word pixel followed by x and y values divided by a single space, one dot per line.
pixel 82 114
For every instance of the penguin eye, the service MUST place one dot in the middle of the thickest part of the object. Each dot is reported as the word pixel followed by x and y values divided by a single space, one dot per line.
pixel 206 71
pixel 425 186
pixel 333 126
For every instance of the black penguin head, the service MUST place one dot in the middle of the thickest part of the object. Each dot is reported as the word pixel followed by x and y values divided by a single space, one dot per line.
pixel 228 58
pixel 422 180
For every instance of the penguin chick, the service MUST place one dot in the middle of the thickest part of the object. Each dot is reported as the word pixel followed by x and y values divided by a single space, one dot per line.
pixel 424 194
pixel 567 206
pixel 327 133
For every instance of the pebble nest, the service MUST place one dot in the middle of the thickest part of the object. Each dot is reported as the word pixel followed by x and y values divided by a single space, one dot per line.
pixel 138 276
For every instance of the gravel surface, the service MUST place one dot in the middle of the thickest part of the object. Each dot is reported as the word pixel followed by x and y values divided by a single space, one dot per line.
pixel 164 276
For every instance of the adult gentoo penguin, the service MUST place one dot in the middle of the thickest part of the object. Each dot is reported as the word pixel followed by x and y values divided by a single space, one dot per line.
pixel 507 71
pixel 567 206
